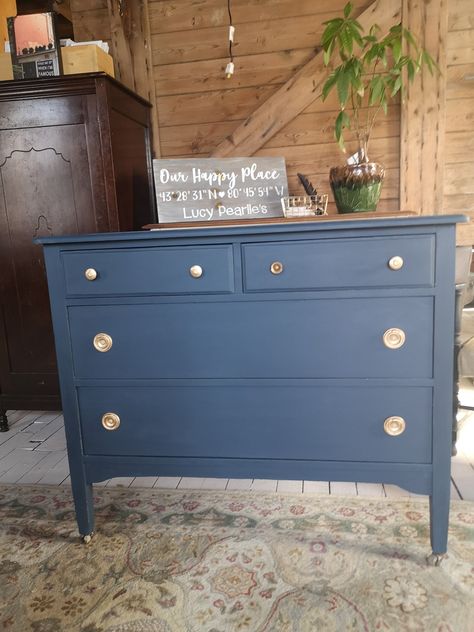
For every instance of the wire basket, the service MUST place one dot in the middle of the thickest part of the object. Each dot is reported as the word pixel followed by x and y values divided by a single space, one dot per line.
pixel 304 205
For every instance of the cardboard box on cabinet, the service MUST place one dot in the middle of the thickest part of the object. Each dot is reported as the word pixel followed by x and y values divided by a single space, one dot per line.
pixel 86 58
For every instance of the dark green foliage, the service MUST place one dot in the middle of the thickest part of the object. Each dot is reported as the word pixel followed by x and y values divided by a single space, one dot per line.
pixel 373 69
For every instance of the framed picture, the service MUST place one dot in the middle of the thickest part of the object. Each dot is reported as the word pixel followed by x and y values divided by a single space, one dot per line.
pixel 34 46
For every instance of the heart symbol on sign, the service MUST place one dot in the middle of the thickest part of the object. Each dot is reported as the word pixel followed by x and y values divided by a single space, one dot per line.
pixel 221 194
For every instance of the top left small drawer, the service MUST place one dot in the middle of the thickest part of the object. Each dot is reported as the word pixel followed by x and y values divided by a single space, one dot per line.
pixel 165 270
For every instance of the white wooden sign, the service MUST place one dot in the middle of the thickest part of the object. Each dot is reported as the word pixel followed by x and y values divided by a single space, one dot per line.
pixel 207 189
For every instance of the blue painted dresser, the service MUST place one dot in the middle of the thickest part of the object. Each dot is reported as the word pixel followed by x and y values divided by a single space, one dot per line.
pixel 318 350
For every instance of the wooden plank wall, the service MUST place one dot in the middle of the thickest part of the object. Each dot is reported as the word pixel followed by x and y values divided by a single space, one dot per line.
pixel 459 140
pixel 90 20
pixel 198 107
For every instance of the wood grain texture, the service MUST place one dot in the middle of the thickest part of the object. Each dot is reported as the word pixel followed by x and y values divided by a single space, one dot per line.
pixel 168 16
pixel 131 48
pixel 63 8
pixel 90 19
pixel 460 81
pixel 250 70
pixel 251 38
pixel 459 140
pixel 120 32
pixel 465 232
pixel 296 94
pixel 459 203
pixel 460 47
pixel 459 148
pixel 461 15
pixel 303 158
pixel 424 113
pixel 460 114
pixel 459 179
pixel 309 128
pixel 231 104
pixel 197 110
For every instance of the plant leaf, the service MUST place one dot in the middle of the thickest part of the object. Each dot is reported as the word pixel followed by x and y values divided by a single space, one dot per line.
pixel 330 31
pixel 397 49
pixel 346 41
pixel 409 38
pixel 376 88
pixel 342 121
pixel 343 83
pixel 397 84
pixel 328 53
pixel 347 9
pixel 329 84
pixel 356 36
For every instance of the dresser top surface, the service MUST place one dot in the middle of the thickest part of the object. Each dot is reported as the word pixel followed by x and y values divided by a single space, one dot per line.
pixel 320 226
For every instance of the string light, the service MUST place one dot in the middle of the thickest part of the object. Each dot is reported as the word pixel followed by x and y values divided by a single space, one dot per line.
pixel 229 69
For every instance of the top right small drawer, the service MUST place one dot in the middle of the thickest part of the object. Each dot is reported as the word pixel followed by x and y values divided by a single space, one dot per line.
pixel 401 260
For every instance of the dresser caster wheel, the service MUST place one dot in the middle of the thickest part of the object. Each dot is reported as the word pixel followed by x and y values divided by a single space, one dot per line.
pixel 87 538
pixel 435 559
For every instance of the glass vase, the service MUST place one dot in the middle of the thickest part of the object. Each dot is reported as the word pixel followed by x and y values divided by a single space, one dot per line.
pixel 357 187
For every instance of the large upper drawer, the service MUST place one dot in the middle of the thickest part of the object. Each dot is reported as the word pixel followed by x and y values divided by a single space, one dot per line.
pixel 167 270
pixel 342 263
pixel 255 339
pixel 344 423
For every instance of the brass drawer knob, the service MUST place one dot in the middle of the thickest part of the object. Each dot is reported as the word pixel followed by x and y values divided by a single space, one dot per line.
pixel 396 263
pixel 103 342
pixel 394 426
pixel 110 421
pixel 91 274
pixel 394 338
pixel 276 267
pixel 195 271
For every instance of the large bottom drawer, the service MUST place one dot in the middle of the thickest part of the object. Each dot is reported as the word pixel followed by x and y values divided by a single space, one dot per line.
pixel 342 423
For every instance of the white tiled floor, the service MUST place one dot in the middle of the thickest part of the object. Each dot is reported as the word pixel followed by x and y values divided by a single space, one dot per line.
pixel 34 451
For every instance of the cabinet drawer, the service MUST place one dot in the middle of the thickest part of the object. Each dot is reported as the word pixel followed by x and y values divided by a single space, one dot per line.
pixel 255 339
pixel 342 263
pixel 165 270
pixel 278 422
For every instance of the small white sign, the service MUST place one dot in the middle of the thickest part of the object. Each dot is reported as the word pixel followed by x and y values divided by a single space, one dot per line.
pixel 189 190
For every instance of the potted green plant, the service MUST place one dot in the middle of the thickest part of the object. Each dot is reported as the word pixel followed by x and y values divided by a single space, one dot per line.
pixel 373 68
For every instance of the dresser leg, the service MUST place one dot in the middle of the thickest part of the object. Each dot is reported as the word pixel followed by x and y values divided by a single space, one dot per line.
pixel 3 421
pixel 439 521
pixel 434 560
pixel 83 503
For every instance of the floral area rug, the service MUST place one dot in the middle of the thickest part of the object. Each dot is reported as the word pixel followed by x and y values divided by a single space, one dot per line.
pixel 230 561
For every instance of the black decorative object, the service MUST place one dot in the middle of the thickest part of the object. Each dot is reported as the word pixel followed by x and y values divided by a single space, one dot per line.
pixel 307 185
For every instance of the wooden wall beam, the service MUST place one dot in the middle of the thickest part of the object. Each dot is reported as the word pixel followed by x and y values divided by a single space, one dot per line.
pixel 297 93
pixel 423 116
pixel 64 9
pixel 131 50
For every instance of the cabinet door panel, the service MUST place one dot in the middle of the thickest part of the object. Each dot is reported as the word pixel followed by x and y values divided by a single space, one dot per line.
pixel 44 190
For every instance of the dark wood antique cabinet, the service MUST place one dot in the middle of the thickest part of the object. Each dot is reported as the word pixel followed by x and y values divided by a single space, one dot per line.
pixel 74 158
